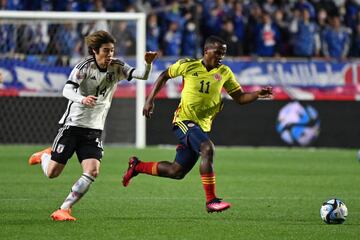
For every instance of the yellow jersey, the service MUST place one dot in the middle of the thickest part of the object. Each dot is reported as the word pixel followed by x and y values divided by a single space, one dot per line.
pixel 201 93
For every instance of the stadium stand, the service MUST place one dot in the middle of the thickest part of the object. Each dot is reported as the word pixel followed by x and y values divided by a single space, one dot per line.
pixel 316 28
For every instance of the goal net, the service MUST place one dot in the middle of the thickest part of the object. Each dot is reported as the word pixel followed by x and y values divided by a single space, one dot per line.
pixel 38 51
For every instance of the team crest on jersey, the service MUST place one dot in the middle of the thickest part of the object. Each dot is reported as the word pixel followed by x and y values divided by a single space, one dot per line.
pixel 60 148
pixel 110 76
pixel 80 75
pixel 217 77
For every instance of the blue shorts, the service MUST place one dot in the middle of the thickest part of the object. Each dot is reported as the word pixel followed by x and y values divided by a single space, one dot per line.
pixel 190 137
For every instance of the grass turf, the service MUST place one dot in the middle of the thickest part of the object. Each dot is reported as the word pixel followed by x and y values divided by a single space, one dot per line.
pixel 276 193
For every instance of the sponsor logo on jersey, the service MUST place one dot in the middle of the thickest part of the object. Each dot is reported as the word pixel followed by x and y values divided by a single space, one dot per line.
pixel 93 78
pixel 195 74
pixel 60 148
pixel 191 124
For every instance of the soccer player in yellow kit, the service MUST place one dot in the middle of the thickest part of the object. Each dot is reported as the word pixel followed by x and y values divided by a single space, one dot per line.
pixel 203 81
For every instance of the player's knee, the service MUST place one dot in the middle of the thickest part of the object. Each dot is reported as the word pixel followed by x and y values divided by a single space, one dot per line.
pixel 207 149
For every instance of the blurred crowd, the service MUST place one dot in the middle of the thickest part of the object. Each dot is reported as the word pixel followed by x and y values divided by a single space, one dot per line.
pixel 264 28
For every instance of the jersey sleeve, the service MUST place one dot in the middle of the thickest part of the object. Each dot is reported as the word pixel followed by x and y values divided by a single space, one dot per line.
pixel 127 71
pixel 178 68
pixel 77 75
pixel 231 85
pixel 124 70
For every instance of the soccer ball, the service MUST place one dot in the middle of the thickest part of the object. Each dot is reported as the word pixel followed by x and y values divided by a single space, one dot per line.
pixel 333 211
pixel 298 124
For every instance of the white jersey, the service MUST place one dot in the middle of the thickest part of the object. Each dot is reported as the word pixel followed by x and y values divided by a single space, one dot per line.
pixel 90 79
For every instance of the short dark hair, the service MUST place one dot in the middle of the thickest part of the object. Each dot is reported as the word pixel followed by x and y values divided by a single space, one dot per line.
pixel 210 41
pixel 96 39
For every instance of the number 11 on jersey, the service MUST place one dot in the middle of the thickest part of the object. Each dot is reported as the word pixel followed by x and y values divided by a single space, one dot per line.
pixel 202 87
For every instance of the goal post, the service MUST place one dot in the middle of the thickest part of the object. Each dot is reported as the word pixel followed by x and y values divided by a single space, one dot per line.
pixel 140 19
pixel 140 139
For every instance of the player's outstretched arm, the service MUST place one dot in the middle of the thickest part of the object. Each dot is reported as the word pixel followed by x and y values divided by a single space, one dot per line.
pixel 144 74
pixel 70 93
pixel 159 83
pixel 248 97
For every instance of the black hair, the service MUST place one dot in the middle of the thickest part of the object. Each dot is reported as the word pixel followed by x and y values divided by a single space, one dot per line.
pixel 210 41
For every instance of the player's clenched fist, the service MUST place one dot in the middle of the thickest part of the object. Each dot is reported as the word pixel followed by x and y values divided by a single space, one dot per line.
pixel 266 92
pixel 150 57
pixel 89 101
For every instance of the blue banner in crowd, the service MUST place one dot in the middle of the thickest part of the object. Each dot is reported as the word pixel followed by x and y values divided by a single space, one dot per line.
pixel 288 76
pixel 23 76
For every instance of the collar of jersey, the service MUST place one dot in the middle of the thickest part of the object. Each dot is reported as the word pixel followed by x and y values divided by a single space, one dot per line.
pixel 202 63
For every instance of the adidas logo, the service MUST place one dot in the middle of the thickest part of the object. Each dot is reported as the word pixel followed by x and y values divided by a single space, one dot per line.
pixel 195 74
pixel 93 78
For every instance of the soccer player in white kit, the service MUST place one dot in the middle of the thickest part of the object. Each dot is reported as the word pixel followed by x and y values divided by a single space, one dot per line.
pixel 90 89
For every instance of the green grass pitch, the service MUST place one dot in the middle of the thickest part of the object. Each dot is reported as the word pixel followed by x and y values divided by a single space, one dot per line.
pixel 276 193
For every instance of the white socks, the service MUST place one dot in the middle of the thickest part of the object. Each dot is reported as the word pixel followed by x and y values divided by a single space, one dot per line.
pixel 45 159
pixel 78 190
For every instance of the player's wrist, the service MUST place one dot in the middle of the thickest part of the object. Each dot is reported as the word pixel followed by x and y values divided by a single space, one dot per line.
pixel 150 100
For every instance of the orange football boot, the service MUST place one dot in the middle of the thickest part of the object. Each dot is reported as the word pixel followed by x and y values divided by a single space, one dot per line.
pixel 36 157
pixel 62 215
